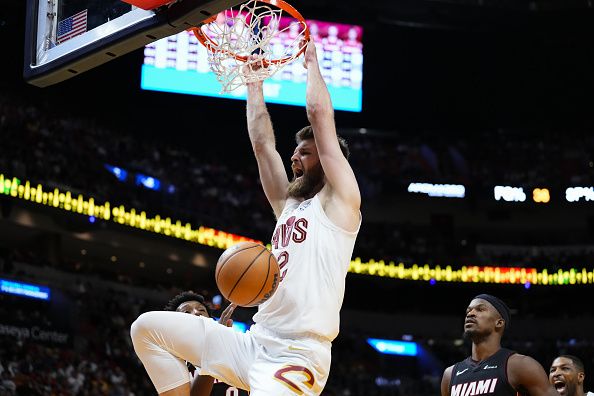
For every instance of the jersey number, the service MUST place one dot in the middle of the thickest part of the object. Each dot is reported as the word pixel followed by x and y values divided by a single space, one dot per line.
pixel 283 259
pixel 232 391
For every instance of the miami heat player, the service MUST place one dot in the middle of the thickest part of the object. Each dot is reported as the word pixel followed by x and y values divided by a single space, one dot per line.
pixel 491 369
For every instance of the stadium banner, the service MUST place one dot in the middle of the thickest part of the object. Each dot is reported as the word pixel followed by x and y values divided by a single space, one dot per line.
pixel 35 333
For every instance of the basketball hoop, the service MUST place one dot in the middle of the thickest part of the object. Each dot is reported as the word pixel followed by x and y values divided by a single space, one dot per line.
pixel 253 42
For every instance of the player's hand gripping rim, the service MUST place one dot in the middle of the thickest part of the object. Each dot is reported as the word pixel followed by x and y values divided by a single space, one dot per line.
pixel 310 55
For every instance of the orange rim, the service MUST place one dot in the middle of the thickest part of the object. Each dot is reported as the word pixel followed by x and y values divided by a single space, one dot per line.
pixel 283 5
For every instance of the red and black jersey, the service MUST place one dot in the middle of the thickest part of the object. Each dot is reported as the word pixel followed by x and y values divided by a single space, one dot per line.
pixel 222 389
pixel 488 377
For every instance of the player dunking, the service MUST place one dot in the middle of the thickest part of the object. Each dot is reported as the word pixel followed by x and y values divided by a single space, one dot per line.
pixel 491 369
pixel 287 350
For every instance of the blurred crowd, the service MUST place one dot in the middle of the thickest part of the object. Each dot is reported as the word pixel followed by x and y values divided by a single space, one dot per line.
pixel 94 355
pixel 71 152
pixel 387 161
pixel 201 186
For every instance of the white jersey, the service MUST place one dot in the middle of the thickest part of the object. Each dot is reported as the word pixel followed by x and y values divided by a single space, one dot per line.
pixel 314 256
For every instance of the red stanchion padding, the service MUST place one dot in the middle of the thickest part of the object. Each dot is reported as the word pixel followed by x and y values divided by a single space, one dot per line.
pixel 148 4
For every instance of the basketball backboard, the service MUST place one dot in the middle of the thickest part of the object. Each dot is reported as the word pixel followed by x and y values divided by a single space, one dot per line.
pixel 67 37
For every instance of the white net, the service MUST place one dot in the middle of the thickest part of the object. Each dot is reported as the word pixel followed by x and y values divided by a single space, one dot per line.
pixel 252 43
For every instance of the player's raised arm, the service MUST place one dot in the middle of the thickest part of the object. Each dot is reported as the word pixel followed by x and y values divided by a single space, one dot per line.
pixel 270 165
pixel 338 172
pixel 527 375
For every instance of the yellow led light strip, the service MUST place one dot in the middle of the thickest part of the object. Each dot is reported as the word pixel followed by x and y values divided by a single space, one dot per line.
pixel 118 214
pixel 211 237
pixel 472 274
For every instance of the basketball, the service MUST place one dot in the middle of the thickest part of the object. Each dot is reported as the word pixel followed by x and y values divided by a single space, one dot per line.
pixel 247 274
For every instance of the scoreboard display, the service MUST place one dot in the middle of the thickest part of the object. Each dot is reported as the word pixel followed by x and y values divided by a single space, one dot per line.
pixel 179 64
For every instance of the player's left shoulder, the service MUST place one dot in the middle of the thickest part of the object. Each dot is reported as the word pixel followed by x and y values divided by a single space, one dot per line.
pixel 523 369
pixel 529 377
pixel 518 360
pixel 339 212
pixel 518 365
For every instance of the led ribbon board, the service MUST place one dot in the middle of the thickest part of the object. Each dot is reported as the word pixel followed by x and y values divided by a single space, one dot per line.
pixel 70 202
pixel 472 274
pixel 13 187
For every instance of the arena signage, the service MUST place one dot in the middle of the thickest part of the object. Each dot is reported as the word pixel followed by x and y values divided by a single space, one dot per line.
pixel 576 194
pixel 34 333
pixel 438 190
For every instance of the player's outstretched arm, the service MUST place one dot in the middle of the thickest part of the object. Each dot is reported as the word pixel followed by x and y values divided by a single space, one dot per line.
pixel 445 381
pixel 339 174
pixel 527 375
pixel 270 165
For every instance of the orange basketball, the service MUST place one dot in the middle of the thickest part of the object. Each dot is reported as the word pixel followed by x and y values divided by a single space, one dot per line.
pixel 247 274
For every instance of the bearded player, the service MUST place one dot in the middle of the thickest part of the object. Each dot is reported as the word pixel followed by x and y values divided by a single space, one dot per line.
pixel 287 350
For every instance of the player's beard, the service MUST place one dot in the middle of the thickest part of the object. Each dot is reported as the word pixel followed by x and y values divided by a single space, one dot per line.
pixel 307 185
pixel 475 336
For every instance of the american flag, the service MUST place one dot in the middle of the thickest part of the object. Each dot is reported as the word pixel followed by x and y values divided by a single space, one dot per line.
pixel 72 26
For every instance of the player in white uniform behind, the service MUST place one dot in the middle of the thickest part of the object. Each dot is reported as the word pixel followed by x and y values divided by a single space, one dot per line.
pixel 567 375
pixel 287 350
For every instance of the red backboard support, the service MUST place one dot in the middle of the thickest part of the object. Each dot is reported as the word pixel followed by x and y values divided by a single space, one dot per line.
pixel 148 4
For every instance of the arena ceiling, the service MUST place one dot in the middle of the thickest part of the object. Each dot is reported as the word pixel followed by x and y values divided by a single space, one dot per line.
pixel 427 64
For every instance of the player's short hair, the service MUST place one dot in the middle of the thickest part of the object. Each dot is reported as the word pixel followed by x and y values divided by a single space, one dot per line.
pixel 183 297
pixel 577 362
pixel 307 133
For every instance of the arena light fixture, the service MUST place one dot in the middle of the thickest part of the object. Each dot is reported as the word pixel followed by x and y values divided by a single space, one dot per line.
pixel 24 289
pixel 394 347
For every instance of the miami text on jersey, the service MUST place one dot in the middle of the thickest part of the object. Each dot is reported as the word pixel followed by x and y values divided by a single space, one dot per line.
pixel 482 387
